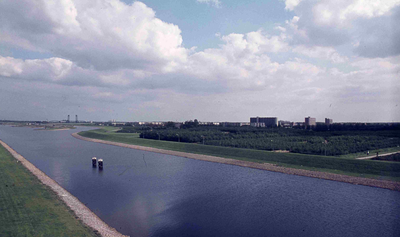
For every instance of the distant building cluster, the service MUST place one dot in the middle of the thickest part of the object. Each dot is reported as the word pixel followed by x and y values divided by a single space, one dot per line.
pixel 310 122
pixel 233 124
pixel 264 122
pixel 285 124
pixel 328 121
pixel 261 122
pixel 69 121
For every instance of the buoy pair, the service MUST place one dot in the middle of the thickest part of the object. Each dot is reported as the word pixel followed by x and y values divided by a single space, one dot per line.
pixel 94 161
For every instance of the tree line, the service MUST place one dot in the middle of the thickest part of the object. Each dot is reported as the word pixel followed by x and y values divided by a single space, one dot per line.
pixel 331 143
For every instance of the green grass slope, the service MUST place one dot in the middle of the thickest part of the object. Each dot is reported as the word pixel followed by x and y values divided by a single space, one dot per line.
pixel 28 208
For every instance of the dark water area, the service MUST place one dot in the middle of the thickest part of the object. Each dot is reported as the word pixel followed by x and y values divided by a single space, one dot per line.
pixel 148 194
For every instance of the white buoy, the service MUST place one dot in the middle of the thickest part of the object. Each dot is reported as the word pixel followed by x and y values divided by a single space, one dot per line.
pixel 100 164
pixel 94 161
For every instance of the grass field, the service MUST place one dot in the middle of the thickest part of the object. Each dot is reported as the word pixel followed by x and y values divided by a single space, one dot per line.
pixel 341 165
pixel 28 208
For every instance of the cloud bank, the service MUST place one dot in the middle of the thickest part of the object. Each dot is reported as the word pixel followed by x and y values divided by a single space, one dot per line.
pixel 344 53
pixel 370 26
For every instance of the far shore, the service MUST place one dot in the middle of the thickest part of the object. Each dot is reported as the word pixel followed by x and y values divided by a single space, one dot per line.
pixel 47 127
pixel 386 184
pixel 56 129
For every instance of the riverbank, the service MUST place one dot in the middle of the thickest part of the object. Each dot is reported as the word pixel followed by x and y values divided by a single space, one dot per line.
pixel 392 185
pixel 84 214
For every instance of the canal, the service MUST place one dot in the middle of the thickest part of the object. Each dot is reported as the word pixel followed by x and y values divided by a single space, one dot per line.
pixel 142 193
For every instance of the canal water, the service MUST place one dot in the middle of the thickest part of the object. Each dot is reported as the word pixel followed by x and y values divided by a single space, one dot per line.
pixel 148 194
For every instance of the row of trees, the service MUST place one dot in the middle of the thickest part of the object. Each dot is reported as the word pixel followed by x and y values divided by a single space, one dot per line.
pixel 298 141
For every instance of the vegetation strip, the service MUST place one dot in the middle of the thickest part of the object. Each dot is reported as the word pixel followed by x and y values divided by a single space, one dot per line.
pixel 264 166
pixel 301 141
pixel 80 210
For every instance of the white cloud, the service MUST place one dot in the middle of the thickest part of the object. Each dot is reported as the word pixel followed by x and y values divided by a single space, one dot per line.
pixel 241 62
pixel 345 9
pixel 280 28
pixel 52 69
pixel 215 3
pixel 65 72
pixel 102 34
pixel 327 53
pixel 332 23
pixel 368 9
pixel 291 4
pixel 377 70
pixel 369 79
pixel 266 43
pixel 10 66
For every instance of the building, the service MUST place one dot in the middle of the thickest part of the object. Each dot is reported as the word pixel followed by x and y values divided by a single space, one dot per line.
pixel 310 122
pixel 298 124
pixel 118 124
pixel 206 123
pixel 264 121
pixel 328 121
pixel 285 124
pixel 230 124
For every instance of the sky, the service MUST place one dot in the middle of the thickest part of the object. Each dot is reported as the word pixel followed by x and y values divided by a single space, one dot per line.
pixel 211 60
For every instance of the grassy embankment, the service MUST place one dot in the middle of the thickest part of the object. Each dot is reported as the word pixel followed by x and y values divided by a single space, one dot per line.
pixel 28 208
pixel 339 165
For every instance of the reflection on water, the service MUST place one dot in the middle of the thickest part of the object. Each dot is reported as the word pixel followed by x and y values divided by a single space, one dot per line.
pixel 59 175
pixel 147 194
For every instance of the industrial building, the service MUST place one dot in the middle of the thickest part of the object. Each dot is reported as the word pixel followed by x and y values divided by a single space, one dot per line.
pixel 264 121
pixel 285 124
pixel 328 121
pixel 310 122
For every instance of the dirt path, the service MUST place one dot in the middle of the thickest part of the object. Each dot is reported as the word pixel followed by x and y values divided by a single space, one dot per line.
pixel 81 211
pixel 379 155
pixel 264 166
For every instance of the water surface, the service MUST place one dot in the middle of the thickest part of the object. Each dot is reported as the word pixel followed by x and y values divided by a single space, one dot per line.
pixel 149 194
